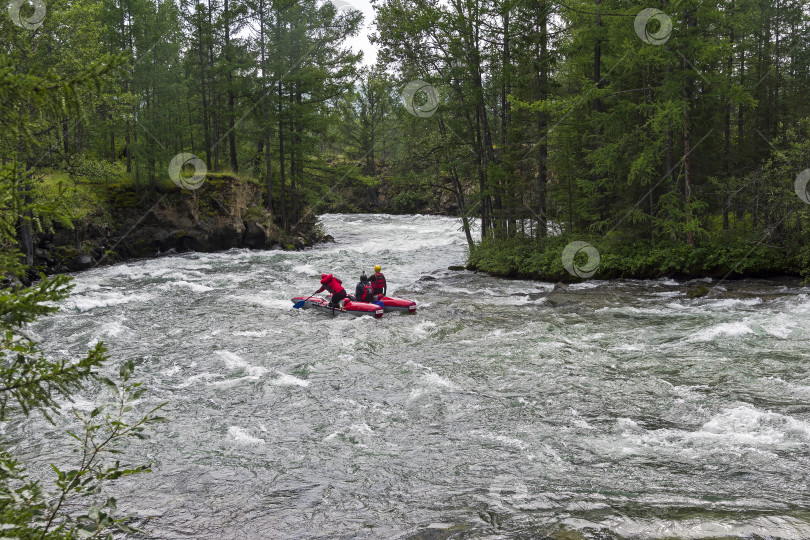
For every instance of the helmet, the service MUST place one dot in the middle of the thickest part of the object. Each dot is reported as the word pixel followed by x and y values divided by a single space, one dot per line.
pixel 363 277
pixel 323 276
pixel 377 268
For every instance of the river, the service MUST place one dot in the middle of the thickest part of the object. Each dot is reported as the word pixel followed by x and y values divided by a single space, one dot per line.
pixel 502 409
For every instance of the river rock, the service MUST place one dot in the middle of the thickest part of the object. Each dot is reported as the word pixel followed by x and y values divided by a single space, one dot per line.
pixel 43 254
pixel 456 268
pixel 697 292
pixel 255 236
pixel 82 262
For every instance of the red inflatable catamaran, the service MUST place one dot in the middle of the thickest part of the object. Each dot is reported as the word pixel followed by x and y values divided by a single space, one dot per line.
pixel 357 309
pixel 398 304
pixel 390 304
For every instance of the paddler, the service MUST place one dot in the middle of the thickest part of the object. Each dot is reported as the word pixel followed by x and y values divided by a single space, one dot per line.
pixel 364 292
pixel 333 285
pixel 378 283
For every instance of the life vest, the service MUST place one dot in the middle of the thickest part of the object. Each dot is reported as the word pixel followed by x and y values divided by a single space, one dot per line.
pixel 378 282
pixel 332 284
pixel 368 293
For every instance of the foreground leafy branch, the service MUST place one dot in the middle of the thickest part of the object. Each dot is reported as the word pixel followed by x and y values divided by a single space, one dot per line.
pixel 75 507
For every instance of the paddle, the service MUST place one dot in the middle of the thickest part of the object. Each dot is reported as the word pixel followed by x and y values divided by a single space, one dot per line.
pixel 300 304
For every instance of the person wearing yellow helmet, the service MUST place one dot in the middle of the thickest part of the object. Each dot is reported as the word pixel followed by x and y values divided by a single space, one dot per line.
pixel 378 283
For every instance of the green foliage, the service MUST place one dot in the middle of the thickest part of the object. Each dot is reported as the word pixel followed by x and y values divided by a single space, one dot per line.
pixel 29 510
pixel 408 202
pixel 717 257
pixel 43 96
pixel 30 381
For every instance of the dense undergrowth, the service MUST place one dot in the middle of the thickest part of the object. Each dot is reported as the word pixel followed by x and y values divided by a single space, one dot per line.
pixel 717 257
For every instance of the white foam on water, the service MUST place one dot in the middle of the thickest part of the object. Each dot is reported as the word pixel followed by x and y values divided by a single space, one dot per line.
pixel 361 429
pixel 784 527
pixel 113 329
pixel 307 269
pixel 780 326
pixel 196 287
pixel 81 404
pixel 729 431
pixel 732 329
pixel 733 303
pixel 265 301
pixel 289 380
pixel 241 436
pixel 628 424
pixel 205 376
pixel 516 300
pixel 586 285
pixel 168 372
pixel 629 347
pixel 668 282
pixel 184 275
pixel 236 363
pixel 799 304
pixel 104 299
pixel 251 333
pixel 747 425
pixel 423 328
pixel 639 311
pixel 508 441
pixel 667 294
pixel 434 379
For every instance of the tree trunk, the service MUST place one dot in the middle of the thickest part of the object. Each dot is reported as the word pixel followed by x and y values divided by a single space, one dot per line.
pixel 214 104
pixel 281 156
pixel 204 94
pixel 541 84
pixel 229 70
pixel 727 120
pixel 266 113
pixel 687 158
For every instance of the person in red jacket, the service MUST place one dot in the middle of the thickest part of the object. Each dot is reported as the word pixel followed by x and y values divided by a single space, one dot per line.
pixel 333 285
pixel 378 283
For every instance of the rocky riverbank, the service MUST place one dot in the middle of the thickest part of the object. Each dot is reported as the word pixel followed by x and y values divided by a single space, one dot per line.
pixel 225 212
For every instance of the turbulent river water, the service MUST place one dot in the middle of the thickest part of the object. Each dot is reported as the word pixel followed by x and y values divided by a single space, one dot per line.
pixel 502 409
